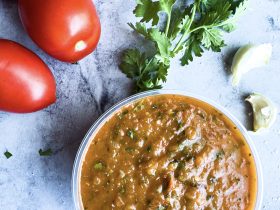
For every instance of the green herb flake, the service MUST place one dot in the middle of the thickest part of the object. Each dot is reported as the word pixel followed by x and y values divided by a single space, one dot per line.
pixel 220 154
pixel 179 125
pixel 202 116
pixel 125 112
pixel 122 190
pixel 99 166
pixel 8 154
pixel 129 149
pixel 188 156
pixel 159 115
pixel 130 133
pixel 116 130
pixel 47 152
pixel 209 197
pixel 122 115
pixel 181 165
pixel 154 106
pixel 139 107
pixel 149 148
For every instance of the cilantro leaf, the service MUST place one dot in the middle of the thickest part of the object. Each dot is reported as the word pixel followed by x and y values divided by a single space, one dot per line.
pixel 212 39
pixel 147 10
pixel 215 16
pixel 192 27
pixel 133 63
pixel 185 23
pixel 160 39
pixel 152 75
pixel 166 6
pixel 155 73
pixel 140 28
pixel 8 154
pixel 178 18
pixel 146 72
pixel 238 8
pixel 192 47
pixel 162 42
pixel 229 27
pixel 99 166
pixel 47 152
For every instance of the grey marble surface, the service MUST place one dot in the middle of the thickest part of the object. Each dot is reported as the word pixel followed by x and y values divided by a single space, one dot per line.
pixel 28 181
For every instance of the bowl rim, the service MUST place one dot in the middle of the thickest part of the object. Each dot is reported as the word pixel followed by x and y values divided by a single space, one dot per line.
pixel 75 182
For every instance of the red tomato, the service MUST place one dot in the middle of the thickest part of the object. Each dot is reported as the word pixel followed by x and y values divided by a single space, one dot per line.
pixel 26 83
pixel 66 29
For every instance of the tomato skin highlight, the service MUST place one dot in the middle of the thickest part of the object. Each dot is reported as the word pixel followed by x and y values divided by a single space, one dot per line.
pixel 68 30
pixel 26 83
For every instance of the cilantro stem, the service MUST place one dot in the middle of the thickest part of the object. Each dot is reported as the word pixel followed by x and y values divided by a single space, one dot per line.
pixel 187 31
pixel 146 67
pixel 213 25
pixel 142 72
pixel 167 25
pixel 198 28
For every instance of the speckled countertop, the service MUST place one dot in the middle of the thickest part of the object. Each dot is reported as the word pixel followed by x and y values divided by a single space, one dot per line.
pixel 28 181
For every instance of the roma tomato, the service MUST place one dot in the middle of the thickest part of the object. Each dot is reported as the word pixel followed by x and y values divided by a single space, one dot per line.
pixel 26 83
pixel 68 30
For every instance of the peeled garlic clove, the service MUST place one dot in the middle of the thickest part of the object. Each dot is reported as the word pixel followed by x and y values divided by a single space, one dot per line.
pixel 264 111
pixel 249 57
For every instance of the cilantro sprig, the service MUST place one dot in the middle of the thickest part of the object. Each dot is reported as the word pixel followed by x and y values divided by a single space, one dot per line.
pixel 191 28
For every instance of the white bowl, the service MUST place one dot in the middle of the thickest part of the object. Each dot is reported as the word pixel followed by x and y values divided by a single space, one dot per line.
pixel 77 168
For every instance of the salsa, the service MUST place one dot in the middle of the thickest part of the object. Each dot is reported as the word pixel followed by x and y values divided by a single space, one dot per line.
pixel 168 152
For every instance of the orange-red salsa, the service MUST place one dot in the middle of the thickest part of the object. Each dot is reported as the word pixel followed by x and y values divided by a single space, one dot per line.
pixel 168 152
